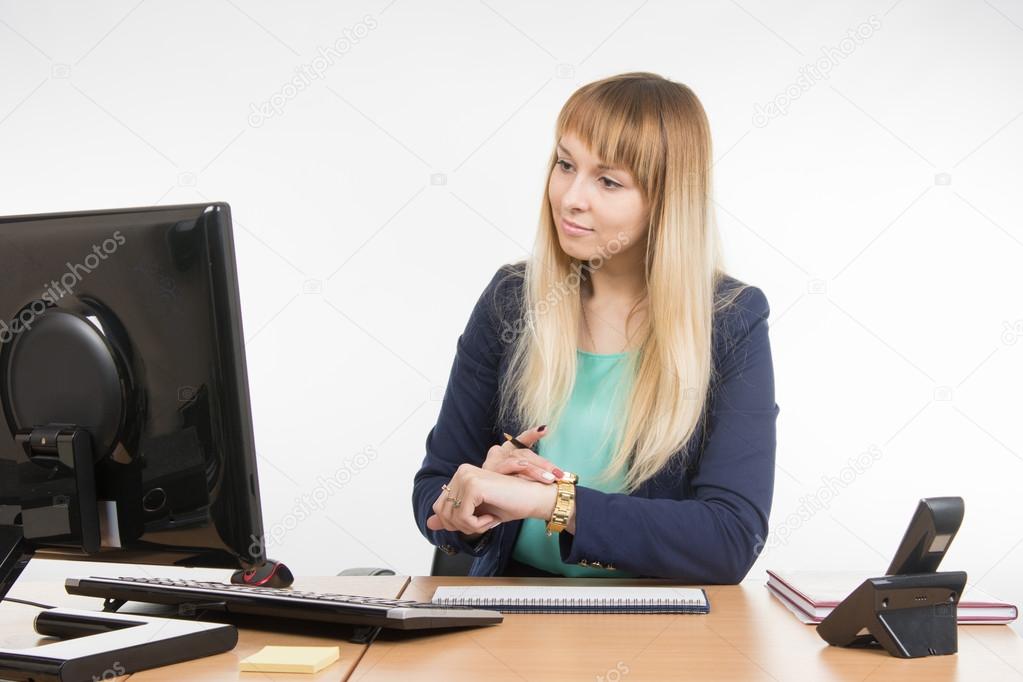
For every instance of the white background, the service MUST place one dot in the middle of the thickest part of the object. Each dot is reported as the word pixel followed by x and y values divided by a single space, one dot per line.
pixel 880 214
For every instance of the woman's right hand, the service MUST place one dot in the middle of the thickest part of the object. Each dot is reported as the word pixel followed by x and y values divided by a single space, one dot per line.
pixel 509 459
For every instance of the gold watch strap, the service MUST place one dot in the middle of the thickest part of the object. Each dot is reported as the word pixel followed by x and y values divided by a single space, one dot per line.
pixel 564 504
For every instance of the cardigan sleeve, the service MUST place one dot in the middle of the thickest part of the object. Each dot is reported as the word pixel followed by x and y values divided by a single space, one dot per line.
pixel 716 535
pixel 465 426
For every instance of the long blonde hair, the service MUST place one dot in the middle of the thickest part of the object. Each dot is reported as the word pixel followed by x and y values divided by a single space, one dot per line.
pixel 658 130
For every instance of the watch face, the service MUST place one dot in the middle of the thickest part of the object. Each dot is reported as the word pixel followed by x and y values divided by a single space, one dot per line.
pixel 569 477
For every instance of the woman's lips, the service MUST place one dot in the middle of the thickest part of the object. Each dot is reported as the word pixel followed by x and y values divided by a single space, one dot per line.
pixel 574 230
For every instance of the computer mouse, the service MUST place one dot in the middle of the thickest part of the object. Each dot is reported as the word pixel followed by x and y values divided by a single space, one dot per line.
pixel 270 574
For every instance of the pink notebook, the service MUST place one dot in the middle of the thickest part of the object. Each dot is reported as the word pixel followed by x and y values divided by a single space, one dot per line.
pixel 811 595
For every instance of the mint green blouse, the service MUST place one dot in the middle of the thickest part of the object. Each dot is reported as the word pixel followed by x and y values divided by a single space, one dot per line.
pixel 582 443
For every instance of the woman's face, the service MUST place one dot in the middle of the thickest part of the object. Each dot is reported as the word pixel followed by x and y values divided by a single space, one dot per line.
pixel 605 201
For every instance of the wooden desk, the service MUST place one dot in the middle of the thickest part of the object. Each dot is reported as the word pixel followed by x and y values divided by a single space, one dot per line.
pixel 16 630
pixel 747 636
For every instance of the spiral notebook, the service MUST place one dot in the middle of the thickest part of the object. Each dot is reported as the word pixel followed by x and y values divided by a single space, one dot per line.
pixel 545 599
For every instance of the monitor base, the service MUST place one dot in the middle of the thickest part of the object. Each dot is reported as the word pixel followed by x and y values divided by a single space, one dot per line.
pixel 14 556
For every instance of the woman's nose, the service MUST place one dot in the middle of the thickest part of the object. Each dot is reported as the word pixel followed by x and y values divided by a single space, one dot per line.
pixel 575 196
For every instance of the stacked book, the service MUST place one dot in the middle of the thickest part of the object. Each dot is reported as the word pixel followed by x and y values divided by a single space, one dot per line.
pixel 811 595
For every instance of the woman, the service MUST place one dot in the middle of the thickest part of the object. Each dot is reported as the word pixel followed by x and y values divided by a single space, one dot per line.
pixel 621 352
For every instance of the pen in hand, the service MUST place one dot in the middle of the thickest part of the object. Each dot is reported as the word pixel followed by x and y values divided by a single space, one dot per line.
pixel 516 442
pixel 558 473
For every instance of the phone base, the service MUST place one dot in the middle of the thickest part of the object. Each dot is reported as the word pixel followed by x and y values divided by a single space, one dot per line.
pixel 909 615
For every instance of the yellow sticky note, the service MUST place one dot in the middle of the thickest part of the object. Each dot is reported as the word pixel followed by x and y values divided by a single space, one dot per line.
pixel 291 659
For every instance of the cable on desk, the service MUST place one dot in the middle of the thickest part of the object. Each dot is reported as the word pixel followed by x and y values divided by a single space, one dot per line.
pixel 28 603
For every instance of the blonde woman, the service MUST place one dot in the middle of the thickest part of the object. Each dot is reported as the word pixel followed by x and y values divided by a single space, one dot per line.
pixel 620 352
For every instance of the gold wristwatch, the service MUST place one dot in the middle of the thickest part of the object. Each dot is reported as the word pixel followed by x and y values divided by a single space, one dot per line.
pixel 564 503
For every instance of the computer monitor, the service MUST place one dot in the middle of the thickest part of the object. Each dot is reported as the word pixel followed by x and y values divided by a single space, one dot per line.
pixel 125 433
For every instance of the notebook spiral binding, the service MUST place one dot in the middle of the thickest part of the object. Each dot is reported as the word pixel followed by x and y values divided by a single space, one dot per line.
pixel 565 605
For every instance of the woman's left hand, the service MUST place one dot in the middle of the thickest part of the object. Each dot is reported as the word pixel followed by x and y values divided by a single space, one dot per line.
pixel 488 498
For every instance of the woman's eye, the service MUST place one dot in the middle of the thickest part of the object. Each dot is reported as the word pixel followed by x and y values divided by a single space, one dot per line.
pixel 608 182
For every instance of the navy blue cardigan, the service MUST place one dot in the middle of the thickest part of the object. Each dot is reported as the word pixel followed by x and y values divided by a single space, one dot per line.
pixel 701 520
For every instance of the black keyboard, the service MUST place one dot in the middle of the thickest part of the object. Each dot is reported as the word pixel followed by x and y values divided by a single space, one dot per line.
pixel 191 596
